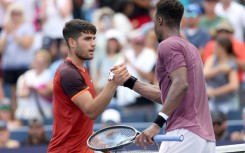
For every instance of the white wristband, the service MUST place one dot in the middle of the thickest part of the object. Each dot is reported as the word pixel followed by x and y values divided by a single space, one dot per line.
pixel 163 115
pixel 111 75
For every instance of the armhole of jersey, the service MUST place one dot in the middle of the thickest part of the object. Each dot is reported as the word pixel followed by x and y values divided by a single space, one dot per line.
pixel 82 91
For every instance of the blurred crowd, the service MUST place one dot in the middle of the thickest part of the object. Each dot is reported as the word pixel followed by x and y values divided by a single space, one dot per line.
pixel 32 47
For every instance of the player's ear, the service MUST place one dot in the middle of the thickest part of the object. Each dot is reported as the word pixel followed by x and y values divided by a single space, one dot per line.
pixel 159 20
pixel 72 43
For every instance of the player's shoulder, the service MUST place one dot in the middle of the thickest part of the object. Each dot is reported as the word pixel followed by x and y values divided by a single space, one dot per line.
pixel 172 43
pixel 66 69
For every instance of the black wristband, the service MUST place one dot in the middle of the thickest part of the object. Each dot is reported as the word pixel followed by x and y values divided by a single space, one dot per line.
pixel 160 121
pixel 130 82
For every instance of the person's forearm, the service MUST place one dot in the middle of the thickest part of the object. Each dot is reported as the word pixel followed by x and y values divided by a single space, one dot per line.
pixel 25 42
pixel 209 74
pixel 224 89
pixel 148 91
pixel 103 99
pixel 175 95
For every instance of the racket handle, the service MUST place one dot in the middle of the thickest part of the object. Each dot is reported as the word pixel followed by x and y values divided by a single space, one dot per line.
pixel 160 138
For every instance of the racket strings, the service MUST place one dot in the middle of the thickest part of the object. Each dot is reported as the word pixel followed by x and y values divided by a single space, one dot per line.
pixel 112 137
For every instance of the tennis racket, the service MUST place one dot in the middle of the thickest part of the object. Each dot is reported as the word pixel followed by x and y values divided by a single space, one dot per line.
pixel 116 137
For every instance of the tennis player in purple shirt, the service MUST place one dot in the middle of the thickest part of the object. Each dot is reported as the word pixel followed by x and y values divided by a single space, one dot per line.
pixel 182 90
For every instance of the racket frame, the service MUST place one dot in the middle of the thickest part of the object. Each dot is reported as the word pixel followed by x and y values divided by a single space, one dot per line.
pixel 118 146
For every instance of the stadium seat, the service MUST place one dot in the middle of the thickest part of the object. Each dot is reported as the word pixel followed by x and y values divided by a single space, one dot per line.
pixel 48 121
pixel 133 117
pixel 234 115
pixel 19 135
pixel 233 128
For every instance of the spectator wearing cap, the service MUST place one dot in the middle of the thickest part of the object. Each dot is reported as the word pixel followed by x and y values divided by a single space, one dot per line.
pixel 5 141
pixel 197 35
pixel 221 75
pixel 114 46
pixel 6 115
pixel 219 120
pixel 235 13
pixel 225 29
pixel 110 117
pixel 210 19
pixel 36 133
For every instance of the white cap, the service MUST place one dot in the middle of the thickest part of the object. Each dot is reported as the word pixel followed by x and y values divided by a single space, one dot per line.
pixel 115 34
pixel 111 115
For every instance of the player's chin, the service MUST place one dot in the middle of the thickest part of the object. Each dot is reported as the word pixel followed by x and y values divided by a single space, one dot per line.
pixel 90 57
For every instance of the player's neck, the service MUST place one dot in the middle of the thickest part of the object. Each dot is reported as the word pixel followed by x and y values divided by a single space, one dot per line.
pixel 77 62
pixel 170 32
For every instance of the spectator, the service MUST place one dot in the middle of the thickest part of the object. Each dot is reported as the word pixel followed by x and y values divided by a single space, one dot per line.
pixel 242 2
pixel 225 29
pixel 140 62
pixel 36 134
pixel 239 136
pixel 110 117
pixel 114 56
pixel 63 52
pixel 210 19
pixel 5 141
pixel 197 35
pixel 16 48
pixel 149 25
pixel 136 10
pixel 219 120
pixel 34 90
pixel 77 11
pixel 6 115
pixel 221 74
pixel 103 21
pixel 54 15
pixel 235 13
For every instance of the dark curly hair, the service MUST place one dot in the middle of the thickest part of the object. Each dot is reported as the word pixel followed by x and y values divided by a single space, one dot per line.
pixel 74 28
pixel 171 10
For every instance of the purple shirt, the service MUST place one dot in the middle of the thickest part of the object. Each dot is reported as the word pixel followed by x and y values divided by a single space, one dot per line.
pixel 193 112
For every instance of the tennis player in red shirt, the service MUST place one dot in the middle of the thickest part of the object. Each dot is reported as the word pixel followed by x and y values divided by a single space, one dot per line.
pixel 75 102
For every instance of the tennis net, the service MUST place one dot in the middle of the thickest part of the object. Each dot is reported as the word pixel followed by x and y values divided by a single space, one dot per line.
pixel 237 148
pixel 133 148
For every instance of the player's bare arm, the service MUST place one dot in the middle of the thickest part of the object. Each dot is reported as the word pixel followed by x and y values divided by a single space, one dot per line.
pixel 176 91
pixel 149 91
pixel 94 107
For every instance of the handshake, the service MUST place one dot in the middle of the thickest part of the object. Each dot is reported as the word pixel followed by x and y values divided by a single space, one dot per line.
pixel 120 73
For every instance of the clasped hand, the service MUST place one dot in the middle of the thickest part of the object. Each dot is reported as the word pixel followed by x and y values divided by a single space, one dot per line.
pixel 120 74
